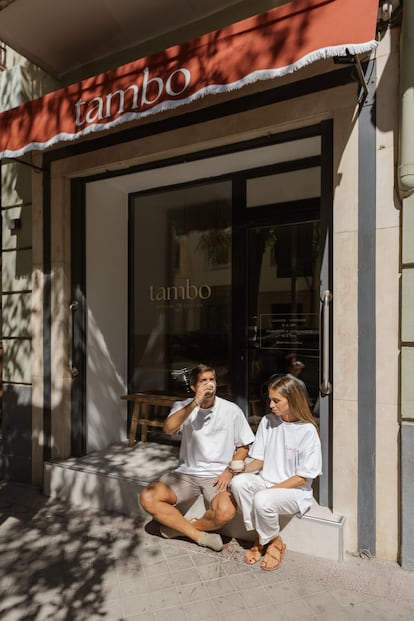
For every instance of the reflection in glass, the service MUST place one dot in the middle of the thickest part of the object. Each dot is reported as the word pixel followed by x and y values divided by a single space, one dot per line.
pixel 181 286
pixel 283 308
pixel 294 185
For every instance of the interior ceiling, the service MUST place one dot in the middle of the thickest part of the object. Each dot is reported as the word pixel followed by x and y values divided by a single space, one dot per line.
pixel 75 39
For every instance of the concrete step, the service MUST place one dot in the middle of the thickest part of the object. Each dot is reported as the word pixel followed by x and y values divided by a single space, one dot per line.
pixel 111 480
pixel 319 532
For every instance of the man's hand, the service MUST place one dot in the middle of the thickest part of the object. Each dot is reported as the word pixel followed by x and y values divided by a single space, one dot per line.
pixel 205 393
pixel 223 480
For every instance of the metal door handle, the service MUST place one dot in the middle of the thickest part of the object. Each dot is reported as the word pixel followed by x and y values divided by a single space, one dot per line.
pixel 326 386
pixel 72 307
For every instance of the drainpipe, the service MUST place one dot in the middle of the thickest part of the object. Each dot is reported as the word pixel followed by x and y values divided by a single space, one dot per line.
pixel 406 163
pixel 406 190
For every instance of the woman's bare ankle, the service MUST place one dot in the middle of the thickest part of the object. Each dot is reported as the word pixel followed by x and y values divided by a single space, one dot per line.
pixel 254 555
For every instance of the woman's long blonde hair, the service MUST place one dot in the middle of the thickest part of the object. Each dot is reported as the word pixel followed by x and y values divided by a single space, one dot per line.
pixel 290 388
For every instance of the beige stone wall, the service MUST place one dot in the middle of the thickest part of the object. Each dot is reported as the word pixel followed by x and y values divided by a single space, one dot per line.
pixel 345 319
pixel 23 82
pixel 60 302
pixel 37 325
pixel 22 257
pixel 16 273
pixel 387 298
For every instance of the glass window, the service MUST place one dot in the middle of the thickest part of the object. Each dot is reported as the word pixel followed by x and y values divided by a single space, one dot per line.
pixel 181 285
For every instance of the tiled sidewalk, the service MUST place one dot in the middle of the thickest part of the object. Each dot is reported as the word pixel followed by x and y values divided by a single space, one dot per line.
pixel 61 563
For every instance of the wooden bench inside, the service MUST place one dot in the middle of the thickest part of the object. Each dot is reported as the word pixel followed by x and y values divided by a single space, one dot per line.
pixel 149 410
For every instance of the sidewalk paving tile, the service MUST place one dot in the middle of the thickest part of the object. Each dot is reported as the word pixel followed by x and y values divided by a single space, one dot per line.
pixel 64 563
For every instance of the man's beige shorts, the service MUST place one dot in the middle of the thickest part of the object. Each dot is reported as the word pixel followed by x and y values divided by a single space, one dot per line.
pixel 187 486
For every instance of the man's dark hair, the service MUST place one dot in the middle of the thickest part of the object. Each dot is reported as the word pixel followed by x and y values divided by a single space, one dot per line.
pixel 197 370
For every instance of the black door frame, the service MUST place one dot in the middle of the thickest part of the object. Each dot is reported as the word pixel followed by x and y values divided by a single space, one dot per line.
pixel 78 317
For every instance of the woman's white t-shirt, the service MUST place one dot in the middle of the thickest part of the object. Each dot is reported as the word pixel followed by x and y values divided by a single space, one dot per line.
pixel 287 449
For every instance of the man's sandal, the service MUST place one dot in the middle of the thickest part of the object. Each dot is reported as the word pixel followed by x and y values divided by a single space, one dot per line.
pixel 211 540
pixel 273 561
pixel 171 533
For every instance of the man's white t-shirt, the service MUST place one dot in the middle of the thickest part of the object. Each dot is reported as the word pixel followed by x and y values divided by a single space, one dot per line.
pixel 210 437
pixel 288 449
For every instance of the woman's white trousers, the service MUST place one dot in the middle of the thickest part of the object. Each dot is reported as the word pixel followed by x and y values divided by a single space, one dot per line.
pixel 262 504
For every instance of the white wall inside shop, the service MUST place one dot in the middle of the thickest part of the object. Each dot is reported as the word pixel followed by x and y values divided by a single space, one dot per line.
pixel 107 296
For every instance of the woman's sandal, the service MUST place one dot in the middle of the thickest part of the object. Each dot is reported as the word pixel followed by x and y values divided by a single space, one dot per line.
pixel 278 548
pixel 253 555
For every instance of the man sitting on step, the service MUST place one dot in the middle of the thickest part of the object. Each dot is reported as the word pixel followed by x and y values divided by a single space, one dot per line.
pixel 214 433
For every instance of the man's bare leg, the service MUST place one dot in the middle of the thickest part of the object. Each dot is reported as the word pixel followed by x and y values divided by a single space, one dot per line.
pixel 158 500
pixel 222 510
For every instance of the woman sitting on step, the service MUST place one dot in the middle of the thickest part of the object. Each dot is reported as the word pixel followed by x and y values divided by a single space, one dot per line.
pixel 286 457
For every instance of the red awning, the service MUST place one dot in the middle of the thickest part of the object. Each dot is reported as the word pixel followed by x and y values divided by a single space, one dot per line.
pixel 262 47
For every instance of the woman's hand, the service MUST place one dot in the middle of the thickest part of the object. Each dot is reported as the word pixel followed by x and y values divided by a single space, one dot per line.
pixel 292 482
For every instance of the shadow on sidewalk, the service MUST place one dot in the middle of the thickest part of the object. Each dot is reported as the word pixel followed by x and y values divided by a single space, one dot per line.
pixel 57 561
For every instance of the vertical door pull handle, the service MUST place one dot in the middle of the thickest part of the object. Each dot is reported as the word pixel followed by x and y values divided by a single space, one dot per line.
pixel 326 386
pixel 72 307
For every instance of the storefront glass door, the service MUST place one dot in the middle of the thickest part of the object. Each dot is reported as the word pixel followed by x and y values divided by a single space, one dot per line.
pixel 286 326
pixel 283 265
